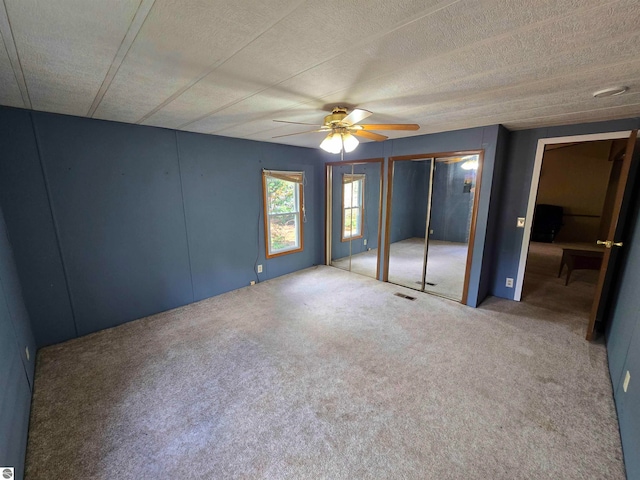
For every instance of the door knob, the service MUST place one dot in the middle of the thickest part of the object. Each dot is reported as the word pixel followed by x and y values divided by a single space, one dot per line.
pixel 609 243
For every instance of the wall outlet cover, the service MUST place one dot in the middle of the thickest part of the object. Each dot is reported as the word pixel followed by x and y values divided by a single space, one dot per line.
pixel 259 268
pixel 252 282
pixel 365 241
pixel 520 223
pixel 509 282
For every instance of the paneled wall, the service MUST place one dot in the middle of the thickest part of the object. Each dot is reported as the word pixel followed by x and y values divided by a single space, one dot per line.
pixel 410 198
pixel 623 347
pixel 114 222
pixel 452 203
pixel 16 369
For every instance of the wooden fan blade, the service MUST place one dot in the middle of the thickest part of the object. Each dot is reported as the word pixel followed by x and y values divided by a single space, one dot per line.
pixel 356 116
pixel 370 135
pixel 299 133
pixel 392 126
pixel 297 123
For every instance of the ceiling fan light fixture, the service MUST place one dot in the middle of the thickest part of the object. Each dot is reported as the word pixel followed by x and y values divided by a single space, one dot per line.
pixel 350 142
pixel 470 165
pixel 332 143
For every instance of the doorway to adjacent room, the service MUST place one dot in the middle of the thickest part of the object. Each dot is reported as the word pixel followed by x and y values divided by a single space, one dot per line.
pixel 575 225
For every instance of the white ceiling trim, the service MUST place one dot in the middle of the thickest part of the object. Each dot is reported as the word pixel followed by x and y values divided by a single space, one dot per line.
pixel 351 46
pixel 132 33
pixel 14 57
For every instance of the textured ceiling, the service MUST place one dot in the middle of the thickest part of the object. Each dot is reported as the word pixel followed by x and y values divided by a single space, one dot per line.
pixel 230 68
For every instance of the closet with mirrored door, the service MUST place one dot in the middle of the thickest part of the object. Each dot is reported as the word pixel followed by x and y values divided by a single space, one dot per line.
pixel 353 208
pixel 431 214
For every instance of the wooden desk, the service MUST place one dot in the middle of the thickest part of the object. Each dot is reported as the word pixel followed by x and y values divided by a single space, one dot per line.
pixel 577 259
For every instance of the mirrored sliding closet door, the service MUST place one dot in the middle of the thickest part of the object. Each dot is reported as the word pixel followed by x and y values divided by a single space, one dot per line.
pixel 432 207
pixel 353 216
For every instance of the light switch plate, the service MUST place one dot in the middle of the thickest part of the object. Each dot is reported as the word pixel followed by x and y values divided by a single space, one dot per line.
pixel 520 223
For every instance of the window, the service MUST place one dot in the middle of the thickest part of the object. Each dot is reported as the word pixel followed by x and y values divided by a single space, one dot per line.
pixel 283 212
pixel 352 206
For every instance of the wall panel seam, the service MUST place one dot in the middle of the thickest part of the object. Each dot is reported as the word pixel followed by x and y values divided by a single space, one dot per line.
pixel 184 213
pixel 55 223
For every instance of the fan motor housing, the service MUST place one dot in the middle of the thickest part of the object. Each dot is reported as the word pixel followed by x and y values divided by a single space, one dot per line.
pixel 336 116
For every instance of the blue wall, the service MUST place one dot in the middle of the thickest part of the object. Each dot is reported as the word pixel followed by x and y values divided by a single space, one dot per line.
pixel 452 206
pixel 113 222
pixel 24 199
pixel 410 199
pixel 16 371
pixel 623 347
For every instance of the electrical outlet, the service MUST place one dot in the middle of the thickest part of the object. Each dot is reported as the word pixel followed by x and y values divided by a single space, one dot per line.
pixel 365 241
pixel 430 232
pixel 520 222
pixel 259 268
pixel 625 385
pixel 509 282
pixel 26 349
pixel 252 282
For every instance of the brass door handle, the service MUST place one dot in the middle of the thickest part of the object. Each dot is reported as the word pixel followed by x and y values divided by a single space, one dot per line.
pixel 609 243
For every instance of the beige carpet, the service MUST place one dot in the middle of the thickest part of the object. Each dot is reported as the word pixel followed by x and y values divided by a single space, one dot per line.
pixel 545 290
pixel 362 263
pixel 446 266
pixel 326 374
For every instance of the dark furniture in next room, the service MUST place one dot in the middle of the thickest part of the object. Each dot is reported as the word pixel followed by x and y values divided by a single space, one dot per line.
pixel 547 220
pixel 576 259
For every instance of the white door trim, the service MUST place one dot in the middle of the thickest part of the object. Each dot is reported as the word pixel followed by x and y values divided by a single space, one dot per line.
pixel 533 192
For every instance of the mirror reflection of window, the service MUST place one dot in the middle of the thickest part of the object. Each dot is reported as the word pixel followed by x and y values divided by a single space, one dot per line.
pixel 352 206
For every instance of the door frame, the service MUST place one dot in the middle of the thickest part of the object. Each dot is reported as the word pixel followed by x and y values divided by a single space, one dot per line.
pixel 533 192
pixel 328 211
pixel 474 211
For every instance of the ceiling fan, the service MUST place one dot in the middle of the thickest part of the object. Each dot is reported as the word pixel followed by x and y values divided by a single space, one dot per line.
pixel 342 129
